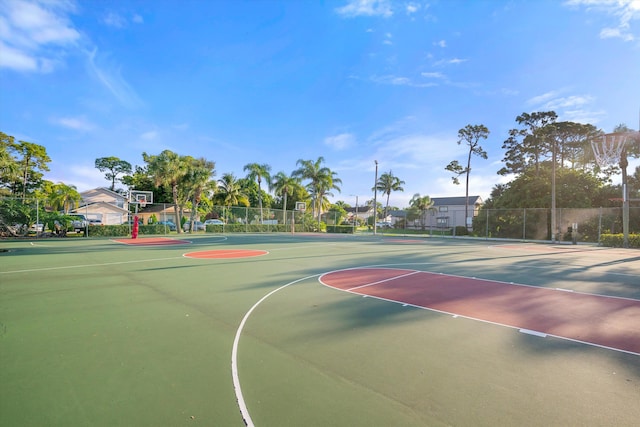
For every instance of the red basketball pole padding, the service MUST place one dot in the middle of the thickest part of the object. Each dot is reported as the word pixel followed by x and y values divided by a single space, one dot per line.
pixel 134 230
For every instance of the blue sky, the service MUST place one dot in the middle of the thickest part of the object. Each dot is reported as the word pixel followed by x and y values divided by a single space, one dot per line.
pixel 354 81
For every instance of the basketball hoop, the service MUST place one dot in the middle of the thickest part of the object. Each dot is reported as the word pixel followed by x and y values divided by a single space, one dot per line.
pixel 142 201
pixel 608 148
pixel 301 206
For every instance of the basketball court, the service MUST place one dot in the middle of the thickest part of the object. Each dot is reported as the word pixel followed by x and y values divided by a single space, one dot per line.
pixel 316 330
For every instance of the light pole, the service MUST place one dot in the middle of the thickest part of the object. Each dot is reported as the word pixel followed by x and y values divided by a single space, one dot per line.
pixel 356 217
pixel 375 201
pixel 553 193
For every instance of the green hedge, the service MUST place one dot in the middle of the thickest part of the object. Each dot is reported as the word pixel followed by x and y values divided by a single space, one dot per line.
pixel 346 229
pixel 617 240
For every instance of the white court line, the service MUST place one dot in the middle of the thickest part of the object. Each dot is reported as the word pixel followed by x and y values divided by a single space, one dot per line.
pixel 33 270
pixel 234 352
pixel 385 280
pixel 456 315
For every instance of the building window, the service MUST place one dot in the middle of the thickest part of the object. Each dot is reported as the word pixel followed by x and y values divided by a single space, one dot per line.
pixel 443 208
pixel 442 221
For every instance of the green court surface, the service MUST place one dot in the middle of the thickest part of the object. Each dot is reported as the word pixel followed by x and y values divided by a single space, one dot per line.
pixel 94 332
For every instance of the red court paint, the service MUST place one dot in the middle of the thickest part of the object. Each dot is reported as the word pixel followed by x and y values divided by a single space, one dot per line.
pixel 152 241
pixel 404 241
pixel 604 321
pixel 226 253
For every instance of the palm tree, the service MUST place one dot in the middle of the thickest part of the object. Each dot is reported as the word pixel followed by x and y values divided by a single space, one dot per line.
pixel 198 178
pixel 322 180
pixel 63 197
pixel 283 185
pixel 167 169
pixel 257 172
pixel 229 191
pixel 421 203
pixel 386 184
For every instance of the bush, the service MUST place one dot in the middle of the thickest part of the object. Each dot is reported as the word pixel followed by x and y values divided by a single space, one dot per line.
pixel 346 229
pixel 617 240
pixel 461 230
pixel 109 230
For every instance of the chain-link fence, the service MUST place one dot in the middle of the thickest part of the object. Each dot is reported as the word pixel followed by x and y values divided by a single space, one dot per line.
pixel 20 217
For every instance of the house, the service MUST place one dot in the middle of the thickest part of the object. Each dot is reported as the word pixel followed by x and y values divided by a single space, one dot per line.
pixel 360 212
pixel 449 212
pixel 446 213
pixel 103 206
pixel 161 212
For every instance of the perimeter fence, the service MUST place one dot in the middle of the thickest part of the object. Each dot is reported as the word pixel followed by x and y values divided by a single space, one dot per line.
pixel 21 217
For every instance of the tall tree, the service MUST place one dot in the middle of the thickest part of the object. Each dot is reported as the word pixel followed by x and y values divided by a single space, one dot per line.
pixel 257 172
pixel 471 135
pixel 283 185
pixel 229 192
pixel 114 167
pixel 422 204
pixel 8 165
pixel 167 169
pixel 321 181
pixel 198 178
pixel 32 159
pixel 63 197
pixel 387 183
pixel 527 146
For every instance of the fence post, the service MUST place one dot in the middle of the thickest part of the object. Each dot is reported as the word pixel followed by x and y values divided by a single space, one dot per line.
pixel 486 233
pixel 524 223
pixel 600 226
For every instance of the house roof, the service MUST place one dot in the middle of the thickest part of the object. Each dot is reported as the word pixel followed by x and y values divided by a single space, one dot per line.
pixel 361 209
pixel 102 205
pixel 455 201
pixel 93 191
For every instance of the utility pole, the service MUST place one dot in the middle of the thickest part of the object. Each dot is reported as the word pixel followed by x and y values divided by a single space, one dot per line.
pixel 375 201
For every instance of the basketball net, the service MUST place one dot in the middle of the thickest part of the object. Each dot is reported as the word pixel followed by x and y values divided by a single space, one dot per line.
pixel 608 148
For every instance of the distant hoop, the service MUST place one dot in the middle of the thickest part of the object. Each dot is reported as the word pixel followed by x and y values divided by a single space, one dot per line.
pixel 607 148
pixel 301 206
pixel 140 198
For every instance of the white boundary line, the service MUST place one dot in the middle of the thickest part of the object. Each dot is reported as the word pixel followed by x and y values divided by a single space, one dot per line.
pixel 455 315
pixel 32 270
pixel 230 252
pixel 234 352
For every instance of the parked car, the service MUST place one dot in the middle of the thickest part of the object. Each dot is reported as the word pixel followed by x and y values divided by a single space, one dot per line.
pixel 198 226
pixel 37 228
pixel 78 222
pixel 383 224
pixel 170 225
pixel 214 222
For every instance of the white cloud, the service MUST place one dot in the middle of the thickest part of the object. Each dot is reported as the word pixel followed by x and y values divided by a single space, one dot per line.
pixel 453 61
pixel 341 141
pixel 574 108
pixel 541 99
pixel 150 135
pixel 399 81
pixel 366 8
pixel 17 59
pixel 75 123
pixel 412 8
pixel 29 30
pixel 111 77
pixel 441 43
pixel 114 20
pixel 625 11
pixel 435 75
